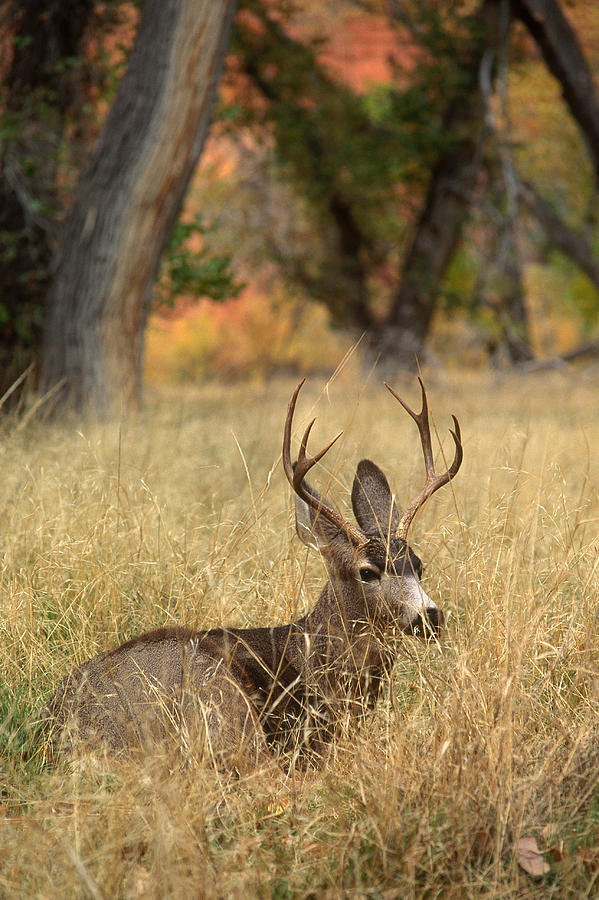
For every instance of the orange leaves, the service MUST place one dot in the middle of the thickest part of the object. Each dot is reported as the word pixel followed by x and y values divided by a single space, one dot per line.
pixel 251 336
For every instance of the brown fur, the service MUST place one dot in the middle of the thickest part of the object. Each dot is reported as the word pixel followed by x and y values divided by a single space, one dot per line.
pixel 235 695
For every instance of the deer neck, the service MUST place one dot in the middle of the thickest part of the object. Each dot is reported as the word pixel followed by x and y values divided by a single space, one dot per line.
pixel 336 643
pixel 326 616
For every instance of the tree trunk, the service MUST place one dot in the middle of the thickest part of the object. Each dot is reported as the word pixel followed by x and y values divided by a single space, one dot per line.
pixel 127 202
pixel 510 310
pixel 400 342
pixel 41 90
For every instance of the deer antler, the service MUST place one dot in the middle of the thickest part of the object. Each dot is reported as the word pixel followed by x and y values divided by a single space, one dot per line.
pixel 296 472
pixel 433 481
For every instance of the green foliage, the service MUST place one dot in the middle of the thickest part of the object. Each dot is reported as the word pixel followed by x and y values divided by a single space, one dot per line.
pixel 17 737
pixel 193 273
pixel 330 140
pixel 359 162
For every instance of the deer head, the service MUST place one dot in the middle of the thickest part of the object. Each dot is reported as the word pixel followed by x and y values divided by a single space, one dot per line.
pixel 374 573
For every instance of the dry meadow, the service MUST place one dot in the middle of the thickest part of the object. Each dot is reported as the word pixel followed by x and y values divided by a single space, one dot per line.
pixel 183 515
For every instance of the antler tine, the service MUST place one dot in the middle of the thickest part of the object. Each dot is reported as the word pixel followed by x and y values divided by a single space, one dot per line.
pixel 304 463
pixel 287 464
pixel 422 421
pixel 296 473
pixel 459 450
pixel 433 481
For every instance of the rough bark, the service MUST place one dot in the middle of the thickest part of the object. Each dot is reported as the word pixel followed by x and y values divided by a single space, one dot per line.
pixel 565 60
pixel 400 342
pixel 127 202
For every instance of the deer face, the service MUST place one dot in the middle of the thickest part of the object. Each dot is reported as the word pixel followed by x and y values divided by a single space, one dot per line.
pixel 391 561
pixel 375 572
pixel 389 574
pixel 376 555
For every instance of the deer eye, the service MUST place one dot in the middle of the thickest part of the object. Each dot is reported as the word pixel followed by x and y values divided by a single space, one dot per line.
pixel 369 575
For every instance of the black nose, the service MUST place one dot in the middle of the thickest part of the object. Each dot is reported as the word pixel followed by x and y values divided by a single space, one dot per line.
pixel 434 619
pixel 429 624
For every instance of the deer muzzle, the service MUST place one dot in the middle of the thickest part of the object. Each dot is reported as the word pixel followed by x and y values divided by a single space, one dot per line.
pixel 428 624
pixel 422 616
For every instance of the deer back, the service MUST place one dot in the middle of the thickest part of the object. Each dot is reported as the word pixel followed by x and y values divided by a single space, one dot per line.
pixel 173 688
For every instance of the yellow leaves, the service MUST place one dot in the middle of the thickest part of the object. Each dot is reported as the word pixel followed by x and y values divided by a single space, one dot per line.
pixel 277 807
pixel 252 336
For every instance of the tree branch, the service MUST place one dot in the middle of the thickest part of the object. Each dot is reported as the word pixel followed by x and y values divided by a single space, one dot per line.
pixel 588 349
pixel 559 233
pixel 565 60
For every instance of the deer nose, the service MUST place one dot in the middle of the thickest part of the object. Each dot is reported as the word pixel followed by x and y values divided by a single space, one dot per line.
pixel 429 623
pixel 434 620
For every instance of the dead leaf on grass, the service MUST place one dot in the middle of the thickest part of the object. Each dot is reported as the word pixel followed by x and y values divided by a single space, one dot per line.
pixel 530 857
pixel 277 807
pixel 590 857
pixel 553 844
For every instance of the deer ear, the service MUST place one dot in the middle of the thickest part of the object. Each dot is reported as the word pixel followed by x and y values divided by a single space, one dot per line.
pixel 372 500
pixel 313 530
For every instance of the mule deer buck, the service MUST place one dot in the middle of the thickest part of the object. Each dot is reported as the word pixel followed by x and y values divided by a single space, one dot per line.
pixel 236 695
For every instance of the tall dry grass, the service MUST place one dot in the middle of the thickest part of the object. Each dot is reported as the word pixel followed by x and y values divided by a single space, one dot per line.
pixel 184 516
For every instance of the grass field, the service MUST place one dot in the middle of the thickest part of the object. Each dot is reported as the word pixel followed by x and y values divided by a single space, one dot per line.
pixel 184 516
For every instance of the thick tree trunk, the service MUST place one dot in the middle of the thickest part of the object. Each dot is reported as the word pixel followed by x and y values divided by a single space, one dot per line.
pixel 40 89
pixel 402 340
pixel 400 343
pixel 128 200
pixel 565 60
